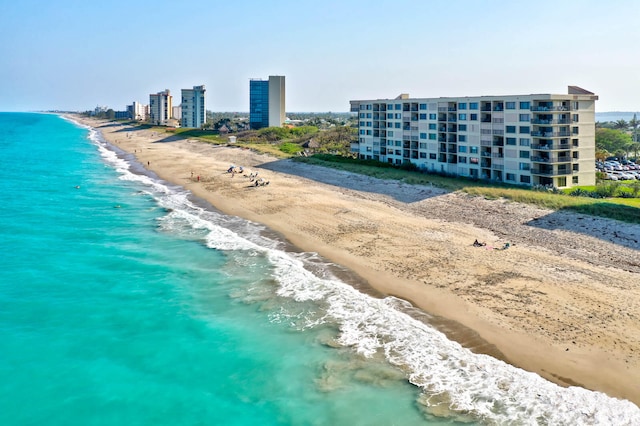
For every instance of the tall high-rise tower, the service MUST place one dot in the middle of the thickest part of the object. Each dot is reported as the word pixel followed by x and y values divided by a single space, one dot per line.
pixel 193 107
pixel 160 106
pixel 267 102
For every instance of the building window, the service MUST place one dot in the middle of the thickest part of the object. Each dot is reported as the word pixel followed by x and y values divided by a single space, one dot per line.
pixel 462 105
pixel 432 156
pixel 462 148
pixel 432 116
pixel 525 142
pixel 473 160
pixel 525 105
pixel 576 105
pixel 575 167
pixel 390 116
pixel 423 145
pixel 525 117
pixel 473 149
pixel 397 107
pixel 574 180
pixel 423 155
pixel 432 136
pixel 525 179
pixel 398 143
pixel 398 116
pixel 432 126
pixel 525 130
pixel 462 138
pixel 524 166
pixel 397 125
pixel 462 127
pixel 510 129
pixel 511 177
pixel 574 142
pixel 524 154
pixel 511 141
pixel 473 105
pixel 510 105
pixel 423 135
pixel 423 116
pixel 389 143
pixel 574 117
pixel 462 117
pixel 462 159
pixel 423 107
pixel 473 117
pixel 574 130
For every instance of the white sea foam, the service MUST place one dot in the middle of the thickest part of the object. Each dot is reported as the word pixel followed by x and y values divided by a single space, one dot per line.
pixel 477 386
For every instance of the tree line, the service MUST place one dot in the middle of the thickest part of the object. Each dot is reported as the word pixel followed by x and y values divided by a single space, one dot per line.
pixel 618 139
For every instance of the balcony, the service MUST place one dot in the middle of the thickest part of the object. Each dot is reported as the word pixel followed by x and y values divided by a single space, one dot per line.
pixel 550 146
pixel 550 134
pixel 550 171
pixel 543 108
pixel 548 121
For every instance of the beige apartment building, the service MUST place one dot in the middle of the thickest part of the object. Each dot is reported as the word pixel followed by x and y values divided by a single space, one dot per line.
pixel 161 107
pixel 538 139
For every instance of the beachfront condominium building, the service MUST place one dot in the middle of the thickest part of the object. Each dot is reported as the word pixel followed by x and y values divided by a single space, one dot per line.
pixel 193 108
pixel 519 139
pixel 160 107
pixel 266 102
pixel 138 111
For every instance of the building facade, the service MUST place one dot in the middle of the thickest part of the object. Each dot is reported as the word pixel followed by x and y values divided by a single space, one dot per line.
pixel 193 111
pixel 160 107
pixel 267 102
pixel 138 111
pixel 519 139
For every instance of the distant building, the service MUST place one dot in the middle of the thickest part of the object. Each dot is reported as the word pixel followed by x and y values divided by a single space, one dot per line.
pixel 544 139
pixel 138 111
pixel 177 112
pixel 194 113
pixel 267 102
pixel 122 115
pixel 160 107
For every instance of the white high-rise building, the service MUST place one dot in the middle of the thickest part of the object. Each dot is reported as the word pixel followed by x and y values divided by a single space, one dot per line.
pixel 160 107
pixel 541 139
pixel 138 111
pixel 193 109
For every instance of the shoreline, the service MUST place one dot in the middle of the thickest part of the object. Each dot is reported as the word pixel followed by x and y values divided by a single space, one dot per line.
pixel 560 302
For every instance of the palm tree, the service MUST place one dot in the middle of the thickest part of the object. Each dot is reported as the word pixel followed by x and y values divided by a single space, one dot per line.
pixel 621 125
pixel 602 154
pixel 634 123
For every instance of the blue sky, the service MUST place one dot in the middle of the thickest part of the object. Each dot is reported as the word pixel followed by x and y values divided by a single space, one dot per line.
pixel 76 54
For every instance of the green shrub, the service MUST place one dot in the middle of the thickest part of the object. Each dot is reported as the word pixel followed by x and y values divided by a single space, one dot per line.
pixel 290 148
pixel 607 190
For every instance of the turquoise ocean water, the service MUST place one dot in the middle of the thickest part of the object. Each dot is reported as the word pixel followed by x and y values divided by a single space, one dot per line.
pixel 123 301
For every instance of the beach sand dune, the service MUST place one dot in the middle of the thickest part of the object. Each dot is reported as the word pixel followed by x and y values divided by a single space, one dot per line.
pixel 561 301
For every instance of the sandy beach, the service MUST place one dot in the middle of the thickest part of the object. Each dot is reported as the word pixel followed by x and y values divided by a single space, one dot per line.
pixel 562 301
